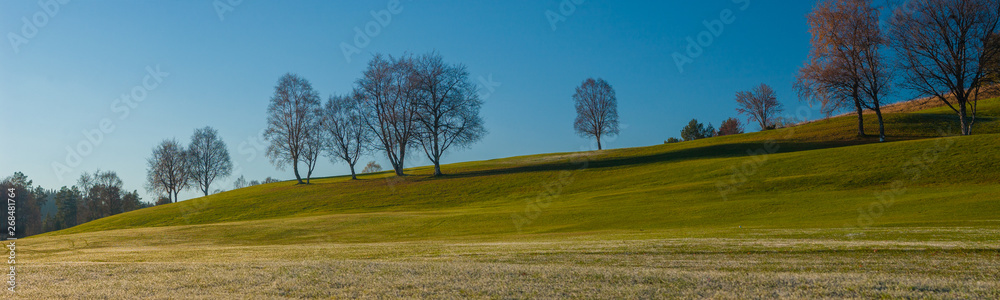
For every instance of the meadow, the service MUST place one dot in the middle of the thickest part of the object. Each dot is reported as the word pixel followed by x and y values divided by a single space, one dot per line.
pixel 810 211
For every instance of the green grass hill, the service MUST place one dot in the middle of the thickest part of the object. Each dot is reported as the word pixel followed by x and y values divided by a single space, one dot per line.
pixel 815 175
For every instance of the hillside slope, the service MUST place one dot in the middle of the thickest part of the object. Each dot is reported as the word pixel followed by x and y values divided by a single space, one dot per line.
pixel 817 175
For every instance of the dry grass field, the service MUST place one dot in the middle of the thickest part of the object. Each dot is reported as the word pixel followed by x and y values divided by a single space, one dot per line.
pixel 785 264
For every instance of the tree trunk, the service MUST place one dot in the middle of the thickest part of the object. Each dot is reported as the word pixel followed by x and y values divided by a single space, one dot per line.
pixel 295 167
pixel 353 175
pixel 397 167
pixel 963 120
pixel 437 156
pixel 861 119
pixel 598 142
pixel 881 126
pixel 402 156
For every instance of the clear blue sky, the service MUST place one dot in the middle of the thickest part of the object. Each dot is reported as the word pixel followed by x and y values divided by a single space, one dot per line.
pixel 85 56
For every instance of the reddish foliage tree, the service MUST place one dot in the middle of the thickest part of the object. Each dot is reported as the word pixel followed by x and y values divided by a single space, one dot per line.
pixel 730 126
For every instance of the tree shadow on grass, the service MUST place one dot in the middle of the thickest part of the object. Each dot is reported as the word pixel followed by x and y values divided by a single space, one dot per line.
pixel 899 127
pixel 714 151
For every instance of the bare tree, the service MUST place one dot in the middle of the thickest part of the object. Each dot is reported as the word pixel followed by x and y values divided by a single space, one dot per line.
pixel 846 65
pixel 372 167
pixel 993 64
pixel 874 70
pixel 759 105
pixel 942 46
pixel 209 158
pixel 240 183
pixel 447 107
pixel 167 170
pixel 387 92
pixel 596 109
pixel 347 136
pixel 291 116
pixel 102 194
pixel 313 146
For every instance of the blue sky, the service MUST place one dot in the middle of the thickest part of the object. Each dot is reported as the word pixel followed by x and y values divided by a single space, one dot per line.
pixel 221 71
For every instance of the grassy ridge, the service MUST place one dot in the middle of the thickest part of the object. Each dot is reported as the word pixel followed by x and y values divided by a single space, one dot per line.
pixel 817 175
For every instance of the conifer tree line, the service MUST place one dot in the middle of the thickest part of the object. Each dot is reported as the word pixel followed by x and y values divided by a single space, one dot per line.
pixel 39 210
